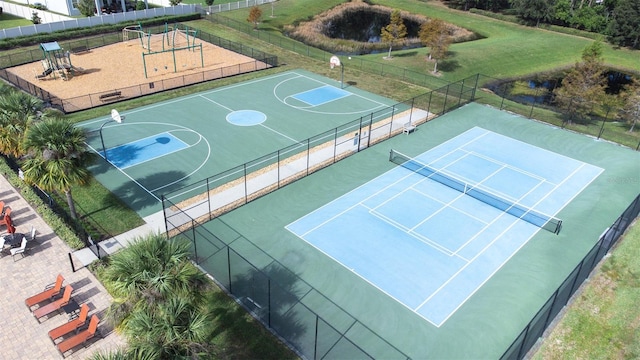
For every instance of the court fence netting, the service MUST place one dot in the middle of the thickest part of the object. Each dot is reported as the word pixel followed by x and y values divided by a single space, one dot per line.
pixel 531 216
pixel 535 329
pixel 271 292
pixel 261 61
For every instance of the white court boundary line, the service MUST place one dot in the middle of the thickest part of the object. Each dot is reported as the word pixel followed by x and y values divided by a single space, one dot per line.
pixel 554 189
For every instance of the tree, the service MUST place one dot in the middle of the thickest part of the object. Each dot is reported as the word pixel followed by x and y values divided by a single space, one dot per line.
pixel 585 83
pixel 255 14
pixel 395 31
pixel 624 28
pixel 435 35
pixel 209 2
pixel 35 18
pixel 18 111
pixel 175 329
pixel 87 7
pixel 159 299
pixel 57 157
pixel 534 10
pixel 174 2
pixel 630 111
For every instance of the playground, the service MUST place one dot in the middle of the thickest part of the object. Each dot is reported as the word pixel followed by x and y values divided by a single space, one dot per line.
pixel 139 59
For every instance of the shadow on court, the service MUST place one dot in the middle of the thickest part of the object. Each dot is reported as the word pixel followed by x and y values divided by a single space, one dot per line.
pixel 138 198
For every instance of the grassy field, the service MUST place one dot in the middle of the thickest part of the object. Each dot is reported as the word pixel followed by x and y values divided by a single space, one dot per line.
pixel 604 320
pixel 10 21
pixel 506 50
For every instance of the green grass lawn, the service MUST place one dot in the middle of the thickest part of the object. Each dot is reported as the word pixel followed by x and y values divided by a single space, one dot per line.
pixel 10 21
pixel 507 49
pixel 604 320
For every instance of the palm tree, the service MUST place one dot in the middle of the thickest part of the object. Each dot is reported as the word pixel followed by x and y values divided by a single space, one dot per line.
pixel 159 299
pixel 57 157
pixel 154 269
pixel 175 329
pixel 17 111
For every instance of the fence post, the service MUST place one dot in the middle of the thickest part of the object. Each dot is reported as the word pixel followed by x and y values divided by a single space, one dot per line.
pixel 73 269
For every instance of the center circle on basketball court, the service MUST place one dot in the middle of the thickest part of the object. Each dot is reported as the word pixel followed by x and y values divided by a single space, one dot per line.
pixel 246 117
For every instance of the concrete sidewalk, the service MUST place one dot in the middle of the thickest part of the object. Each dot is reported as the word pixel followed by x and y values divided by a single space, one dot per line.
pixel 153 224
pixel 23 337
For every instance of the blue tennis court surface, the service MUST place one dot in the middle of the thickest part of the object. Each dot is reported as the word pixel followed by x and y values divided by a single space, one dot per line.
pixel 321 95
pixel 430 246
pixel 145 149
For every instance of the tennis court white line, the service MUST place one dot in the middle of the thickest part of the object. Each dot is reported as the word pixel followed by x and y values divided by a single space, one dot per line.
pixel 443 203
pixel 425 240
pixel 509 166
pixel 357 189
pixel 491 244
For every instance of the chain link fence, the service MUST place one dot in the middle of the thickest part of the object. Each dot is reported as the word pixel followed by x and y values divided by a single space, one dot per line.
pixel 262 61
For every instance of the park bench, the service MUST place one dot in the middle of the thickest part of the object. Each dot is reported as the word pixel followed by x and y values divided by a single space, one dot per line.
pixel 115 95
pixel 408 128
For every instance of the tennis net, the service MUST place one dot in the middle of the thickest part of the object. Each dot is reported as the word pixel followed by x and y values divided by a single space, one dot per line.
pixel 543 221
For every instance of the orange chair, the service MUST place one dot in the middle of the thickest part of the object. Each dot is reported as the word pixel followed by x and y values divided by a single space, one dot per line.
pixel 72 325
pixel 80 338
pixel 48 294
pixel 6 219
pixel 55 305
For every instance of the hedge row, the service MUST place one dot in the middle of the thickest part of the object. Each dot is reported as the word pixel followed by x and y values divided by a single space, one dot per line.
pixel 70 34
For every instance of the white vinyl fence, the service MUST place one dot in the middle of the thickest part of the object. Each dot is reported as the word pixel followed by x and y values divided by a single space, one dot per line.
pixel 233 6
pixel 25 12
pixel 72 23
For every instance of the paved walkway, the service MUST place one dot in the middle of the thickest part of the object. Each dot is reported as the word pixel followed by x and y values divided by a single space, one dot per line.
pixel 23 337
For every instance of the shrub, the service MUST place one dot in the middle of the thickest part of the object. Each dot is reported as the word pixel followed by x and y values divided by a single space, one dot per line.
pixel 35 18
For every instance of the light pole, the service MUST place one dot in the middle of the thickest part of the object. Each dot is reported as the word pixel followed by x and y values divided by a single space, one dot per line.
pixel 115 116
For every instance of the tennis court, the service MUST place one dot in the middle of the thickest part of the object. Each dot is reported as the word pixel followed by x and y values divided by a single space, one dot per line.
pixel 170 144
pixel 405 263
pixel 457 238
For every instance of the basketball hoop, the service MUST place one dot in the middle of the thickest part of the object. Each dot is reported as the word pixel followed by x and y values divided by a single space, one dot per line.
pixel 115 116
pixel 334 61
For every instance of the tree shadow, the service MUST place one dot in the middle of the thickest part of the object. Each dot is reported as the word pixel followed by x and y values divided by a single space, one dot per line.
pixel 138 196
pixel 406 54
pixel 272 295
pixel 448 65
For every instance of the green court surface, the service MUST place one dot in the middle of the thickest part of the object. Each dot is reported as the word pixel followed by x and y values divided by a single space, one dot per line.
pixel 167 145
pixel 489 321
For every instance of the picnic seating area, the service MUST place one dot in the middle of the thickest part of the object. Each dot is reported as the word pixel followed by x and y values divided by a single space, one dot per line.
pixel 50 311
pixel 11 242
pixel 55 300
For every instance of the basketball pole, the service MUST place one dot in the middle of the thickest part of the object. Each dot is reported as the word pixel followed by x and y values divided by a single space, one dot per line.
pixel 115 116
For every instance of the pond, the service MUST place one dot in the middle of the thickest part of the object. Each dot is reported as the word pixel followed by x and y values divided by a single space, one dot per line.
pixel 364 26
pixel 540 89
